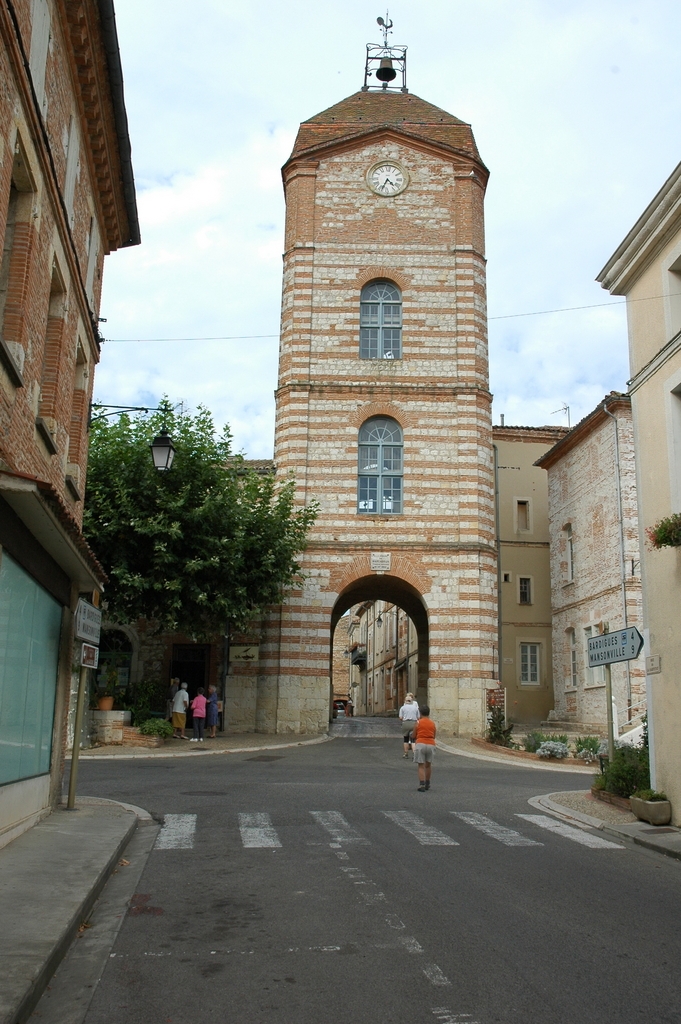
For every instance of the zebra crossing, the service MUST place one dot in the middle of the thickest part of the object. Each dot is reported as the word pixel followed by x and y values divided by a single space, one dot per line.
pixel 258 830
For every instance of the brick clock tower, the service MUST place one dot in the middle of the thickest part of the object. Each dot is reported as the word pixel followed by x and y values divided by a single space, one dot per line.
pixel 383 404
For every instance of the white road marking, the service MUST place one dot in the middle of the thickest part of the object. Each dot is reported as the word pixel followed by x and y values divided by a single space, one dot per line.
pixel 393 921
pixel 446 1016
pixel 435 975
pixel 569 832
pixel 177 832
pixel 257 831
pixel 411 944
pixel 340 830
pixel 507 836
pixel 426 834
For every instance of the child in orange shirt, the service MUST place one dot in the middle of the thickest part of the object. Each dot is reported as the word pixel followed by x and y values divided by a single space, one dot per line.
pixel 423 740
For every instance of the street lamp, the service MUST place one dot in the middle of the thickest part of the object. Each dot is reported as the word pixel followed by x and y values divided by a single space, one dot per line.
pixel 379 620
pixel 162 451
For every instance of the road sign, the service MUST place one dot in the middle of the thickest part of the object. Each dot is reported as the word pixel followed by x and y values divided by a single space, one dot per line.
pixel 608 648
pixel 89 656
pixel 88 622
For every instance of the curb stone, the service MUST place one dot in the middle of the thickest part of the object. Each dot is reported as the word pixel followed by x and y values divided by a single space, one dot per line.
pixel 630 830
pixel 20 1005
pixel 515 762
pixel 161 752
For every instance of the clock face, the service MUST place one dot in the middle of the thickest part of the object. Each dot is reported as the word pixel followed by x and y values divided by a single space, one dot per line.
pixel 387 178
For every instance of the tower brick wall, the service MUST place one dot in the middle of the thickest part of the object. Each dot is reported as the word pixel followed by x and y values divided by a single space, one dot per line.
pixel 429 241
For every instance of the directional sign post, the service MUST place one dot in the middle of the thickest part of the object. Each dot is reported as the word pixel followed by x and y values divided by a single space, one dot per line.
pixel 607 649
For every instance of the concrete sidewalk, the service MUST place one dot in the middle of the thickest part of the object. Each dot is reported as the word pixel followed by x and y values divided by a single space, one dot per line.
pixel 580 808
pixel 50 878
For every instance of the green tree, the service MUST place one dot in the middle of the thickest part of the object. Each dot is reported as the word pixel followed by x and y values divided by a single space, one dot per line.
pixel 207 543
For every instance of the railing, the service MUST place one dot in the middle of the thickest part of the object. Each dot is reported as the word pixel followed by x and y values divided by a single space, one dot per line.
pixel 626 718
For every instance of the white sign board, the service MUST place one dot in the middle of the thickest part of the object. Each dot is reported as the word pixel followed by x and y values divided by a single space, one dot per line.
pixel 89 656
pixel 88 622
pixel 244 653
pixel 608 648
pixel 380 561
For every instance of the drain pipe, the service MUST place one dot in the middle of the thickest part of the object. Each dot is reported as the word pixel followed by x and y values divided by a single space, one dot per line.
pixel 498 540
pixel 623 581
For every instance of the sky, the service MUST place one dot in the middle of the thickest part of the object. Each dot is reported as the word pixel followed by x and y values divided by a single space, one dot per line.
pixel 576 111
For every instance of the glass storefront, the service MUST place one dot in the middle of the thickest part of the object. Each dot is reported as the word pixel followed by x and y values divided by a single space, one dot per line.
pixel 30 623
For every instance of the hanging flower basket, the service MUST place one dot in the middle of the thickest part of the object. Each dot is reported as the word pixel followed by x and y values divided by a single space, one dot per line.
pixel 666 533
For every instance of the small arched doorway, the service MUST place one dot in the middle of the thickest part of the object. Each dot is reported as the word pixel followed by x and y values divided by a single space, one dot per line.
pixel 395 592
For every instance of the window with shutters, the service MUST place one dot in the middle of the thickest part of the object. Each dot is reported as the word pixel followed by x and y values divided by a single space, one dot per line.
pixel 530 664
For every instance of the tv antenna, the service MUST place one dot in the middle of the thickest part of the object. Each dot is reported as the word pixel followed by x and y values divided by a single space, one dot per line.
pixel 565 408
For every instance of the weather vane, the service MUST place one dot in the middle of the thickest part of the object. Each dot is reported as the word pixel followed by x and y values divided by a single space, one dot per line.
pixel 386 26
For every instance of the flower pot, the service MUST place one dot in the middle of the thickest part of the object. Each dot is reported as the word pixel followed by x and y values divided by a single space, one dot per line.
pixel 656 812
pixel 105 703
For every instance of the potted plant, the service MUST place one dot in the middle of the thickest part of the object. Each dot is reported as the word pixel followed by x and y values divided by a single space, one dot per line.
pixel 650 806
pixel 666 533
pixel 105 698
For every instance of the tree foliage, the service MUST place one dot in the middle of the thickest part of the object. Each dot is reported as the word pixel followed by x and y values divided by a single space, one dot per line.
pixel 207 543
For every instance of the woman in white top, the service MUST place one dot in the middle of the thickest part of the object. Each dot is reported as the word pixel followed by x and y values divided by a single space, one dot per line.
pixel 409 715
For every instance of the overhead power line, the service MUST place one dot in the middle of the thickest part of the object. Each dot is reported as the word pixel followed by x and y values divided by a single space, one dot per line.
pixel 249 337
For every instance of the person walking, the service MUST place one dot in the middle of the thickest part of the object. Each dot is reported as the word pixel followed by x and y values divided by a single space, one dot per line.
pixel 212 711
pixel 423 738
pixel 180 705
pixel 198 706
pixel 409 713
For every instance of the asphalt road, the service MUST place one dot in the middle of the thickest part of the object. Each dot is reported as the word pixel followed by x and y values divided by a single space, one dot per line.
pixel 367 901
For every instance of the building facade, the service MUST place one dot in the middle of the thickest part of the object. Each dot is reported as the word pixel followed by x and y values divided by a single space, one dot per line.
pixel 383 406
pixel 525 645
pixel 646 268
pixel 595 565
pixel 66 200
pixel 383 647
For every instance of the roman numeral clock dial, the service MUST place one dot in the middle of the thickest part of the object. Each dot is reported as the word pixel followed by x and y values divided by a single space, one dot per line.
pixel 387 178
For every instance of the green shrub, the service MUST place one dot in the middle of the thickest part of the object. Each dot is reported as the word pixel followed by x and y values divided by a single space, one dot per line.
pixel 598 782
pixel 498 732
pixel 587 747
pixel 553 748
pixel 628 771
pixel 556 737
pixel 650 794
pixel 156 727
pixel 533 741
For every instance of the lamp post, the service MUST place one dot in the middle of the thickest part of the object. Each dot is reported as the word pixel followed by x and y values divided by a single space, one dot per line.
pixel 162 451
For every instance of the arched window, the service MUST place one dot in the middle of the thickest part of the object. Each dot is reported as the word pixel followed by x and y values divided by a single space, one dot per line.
pixel 380 321
pixel 379 488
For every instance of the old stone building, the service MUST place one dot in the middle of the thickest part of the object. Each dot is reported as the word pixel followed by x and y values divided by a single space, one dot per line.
pixel 646 268
pixel 595 564
pixel 383 648
pixel 525 646
pixel 67 199
pixel 383 406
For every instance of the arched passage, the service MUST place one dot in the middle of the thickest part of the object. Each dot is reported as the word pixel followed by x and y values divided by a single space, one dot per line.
pixel 396 591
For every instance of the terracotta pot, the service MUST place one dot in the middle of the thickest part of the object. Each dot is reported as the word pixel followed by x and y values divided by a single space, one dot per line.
pixel 656 812
pixel 105 703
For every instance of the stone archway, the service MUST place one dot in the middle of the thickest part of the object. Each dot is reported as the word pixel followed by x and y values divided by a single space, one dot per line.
pixel 394 590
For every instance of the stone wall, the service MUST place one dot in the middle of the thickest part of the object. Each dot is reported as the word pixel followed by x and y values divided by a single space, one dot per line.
pixel 583 497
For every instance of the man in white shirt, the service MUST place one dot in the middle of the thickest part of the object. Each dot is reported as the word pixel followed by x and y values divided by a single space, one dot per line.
pixel 180 704
pixel 409 716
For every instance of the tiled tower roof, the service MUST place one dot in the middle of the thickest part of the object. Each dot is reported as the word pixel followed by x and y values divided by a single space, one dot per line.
pixel 364 112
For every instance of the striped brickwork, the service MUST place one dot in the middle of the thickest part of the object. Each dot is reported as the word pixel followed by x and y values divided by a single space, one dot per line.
pixel 429 240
